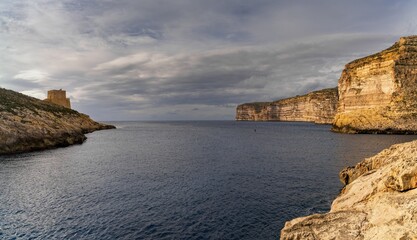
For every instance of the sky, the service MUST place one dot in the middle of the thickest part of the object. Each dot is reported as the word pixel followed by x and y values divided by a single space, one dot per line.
pixel 188 59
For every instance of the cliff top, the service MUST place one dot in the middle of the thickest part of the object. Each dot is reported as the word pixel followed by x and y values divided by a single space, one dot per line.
pixel 12 102
pixel 310 94
pixel 391 52
pixel 257 104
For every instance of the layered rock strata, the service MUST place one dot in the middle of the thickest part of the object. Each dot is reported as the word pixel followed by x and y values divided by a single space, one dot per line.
pixel 28 124
pixel 378 202
pixel 318 107
pixel 378 93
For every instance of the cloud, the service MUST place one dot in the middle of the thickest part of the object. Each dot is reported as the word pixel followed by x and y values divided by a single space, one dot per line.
pixel 37 93
pixel 219 78
pixel 32 75
pixel 163 59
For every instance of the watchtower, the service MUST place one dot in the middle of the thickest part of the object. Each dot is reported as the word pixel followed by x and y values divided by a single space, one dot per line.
pixel 59 97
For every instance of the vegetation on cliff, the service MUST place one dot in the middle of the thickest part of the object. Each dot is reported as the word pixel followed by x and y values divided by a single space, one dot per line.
pixel 28 124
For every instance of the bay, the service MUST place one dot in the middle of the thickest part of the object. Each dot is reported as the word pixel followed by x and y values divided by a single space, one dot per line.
pixel 179 180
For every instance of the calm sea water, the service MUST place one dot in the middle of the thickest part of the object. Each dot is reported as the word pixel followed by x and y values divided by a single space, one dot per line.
pixel 179 180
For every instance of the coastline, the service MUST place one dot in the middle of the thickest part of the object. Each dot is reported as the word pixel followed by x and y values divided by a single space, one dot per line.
pixel 52 141
pixel 29 124
pixel 378 201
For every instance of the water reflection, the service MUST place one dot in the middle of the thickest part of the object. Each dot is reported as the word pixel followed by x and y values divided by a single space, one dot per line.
pixel 193 180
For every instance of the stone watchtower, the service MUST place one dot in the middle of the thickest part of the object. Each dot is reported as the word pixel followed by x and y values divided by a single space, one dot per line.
pixel 59 97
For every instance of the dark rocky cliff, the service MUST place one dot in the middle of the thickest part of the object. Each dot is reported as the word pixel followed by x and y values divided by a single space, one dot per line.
pixel 28 124
pixel 318 107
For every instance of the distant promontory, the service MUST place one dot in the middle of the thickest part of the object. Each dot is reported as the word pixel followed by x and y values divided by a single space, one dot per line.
pixel 29 124
pixel 318 107
pixel 375 94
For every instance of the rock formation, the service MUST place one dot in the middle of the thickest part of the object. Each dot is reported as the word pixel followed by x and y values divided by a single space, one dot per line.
pixel 59 97
pixel 378 202
pixel 317 107
pixel 378 93
pixel 28 124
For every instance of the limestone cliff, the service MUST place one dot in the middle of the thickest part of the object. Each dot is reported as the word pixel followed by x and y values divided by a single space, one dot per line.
pixel 317 107
pixel 28 124
pixel 378 202
pixel 378 93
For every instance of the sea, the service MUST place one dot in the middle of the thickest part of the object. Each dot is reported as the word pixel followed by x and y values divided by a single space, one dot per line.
pixel 179 180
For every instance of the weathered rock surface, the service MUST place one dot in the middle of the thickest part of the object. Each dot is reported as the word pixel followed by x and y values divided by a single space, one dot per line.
pixel 378 93
pixel 28 124
pixel 318 107
pixel 378 202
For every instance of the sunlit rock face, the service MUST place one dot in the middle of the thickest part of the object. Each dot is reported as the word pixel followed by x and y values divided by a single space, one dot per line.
pixel 28 124
pixel 378 93
pixel 318 107
pixel 379 201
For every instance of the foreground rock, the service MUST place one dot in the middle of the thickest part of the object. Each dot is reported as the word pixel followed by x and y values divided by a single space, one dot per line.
pixel 317 107
pixel 378 93
pixel 378 202
pixel 28 124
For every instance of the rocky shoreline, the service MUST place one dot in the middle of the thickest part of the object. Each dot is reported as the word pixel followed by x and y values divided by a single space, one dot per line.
pixel 376 95
pixel 29 124
pixel 379 201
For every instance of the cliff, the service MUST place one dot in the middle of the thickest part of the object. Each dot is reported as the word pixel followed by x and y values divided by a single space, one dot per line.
pixel 28 124
pixel 378 202
pixel 317 107
pixel 378 93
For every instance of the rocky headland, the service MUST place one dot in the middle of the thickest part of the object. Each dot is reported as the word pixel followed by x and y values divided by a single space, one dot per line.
pixel 29 124
pixel 379 201
pixel 318 107
pixel 378 93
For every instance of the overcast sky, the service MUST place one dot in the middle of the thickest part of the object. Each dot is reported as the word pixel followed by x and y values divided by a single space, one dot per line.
pixel 188 59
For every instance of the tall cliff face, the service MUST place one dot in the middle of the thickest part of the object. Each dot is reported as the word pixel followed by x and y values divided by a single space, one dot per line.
pixel 28 124
pixel 317 107
pixel 378 202
pixel 256 111
pixel 378 93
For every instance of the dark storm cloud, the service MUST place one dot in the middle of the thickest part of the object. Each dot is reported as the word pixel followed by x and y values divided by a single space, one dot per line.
pixel 148 59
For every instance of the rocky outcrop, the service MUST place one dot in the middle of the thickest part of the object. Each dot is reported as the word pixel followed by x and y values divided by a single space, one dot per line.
pixel 378 202
pixel 28 124
pixel 317 107
pixel 378 93
pixel 256 111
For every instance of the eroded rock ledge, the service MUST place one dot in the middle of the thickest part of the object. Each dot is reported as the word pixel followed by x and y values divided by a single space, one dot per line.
pixel 378 202
pixel 318 107
pixel 29 124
